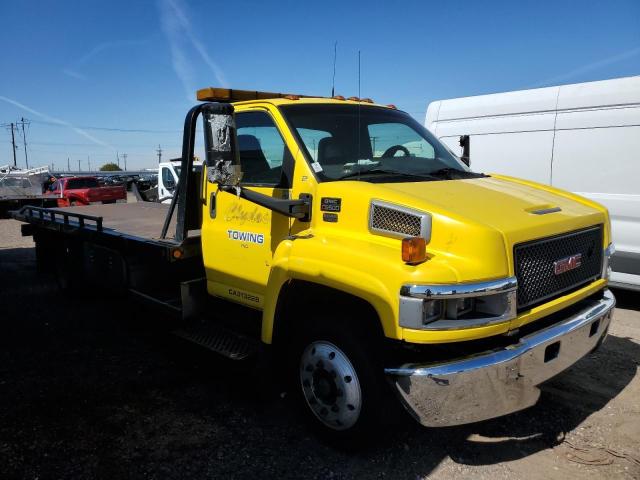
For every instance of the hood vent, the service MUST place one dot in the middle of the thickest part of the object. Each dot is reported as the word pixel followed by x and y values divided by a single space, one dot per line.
pixel 397 221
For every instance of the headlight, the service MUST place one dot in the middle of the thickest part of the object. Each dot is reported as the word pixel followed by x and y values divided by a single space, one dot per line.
pixel 443 307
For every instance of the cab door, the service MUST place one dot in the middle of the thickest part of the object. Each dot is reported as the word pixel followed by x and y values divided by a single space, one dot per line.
pixel 238 236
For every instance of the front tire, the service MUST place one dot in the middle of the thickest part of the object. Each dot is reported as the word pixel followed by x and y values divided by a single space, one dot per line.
pixel 341 385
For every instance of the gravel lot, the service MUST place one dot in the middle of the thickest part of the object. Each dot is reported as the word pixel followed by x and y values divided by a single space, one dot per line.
pixel 94 388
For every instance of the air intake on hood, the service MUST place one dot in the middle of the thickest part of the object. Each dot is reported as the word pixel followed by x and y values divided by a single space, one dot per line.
pixel 396 221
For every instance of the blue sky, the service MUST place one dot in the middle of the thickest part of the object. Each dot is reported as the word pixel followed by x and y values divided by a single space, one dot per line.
pixel 82 71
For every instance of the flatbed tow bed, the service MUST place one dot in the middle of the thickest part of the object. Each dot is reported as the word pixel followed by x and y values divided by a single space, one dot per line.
pixel 137 222
pixel 127 241
pixel 133 243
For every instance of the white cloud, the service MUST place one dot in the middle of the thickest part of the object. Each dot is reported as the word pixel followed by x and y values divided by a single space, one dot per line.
pixel 57 121
pixel 73 73
pixel 101 47
pixel 588 67
pixel 179 33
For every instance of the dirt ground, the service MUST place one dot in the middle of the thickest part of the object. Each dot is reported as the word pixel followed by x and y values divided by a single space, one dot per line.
pixel 94 388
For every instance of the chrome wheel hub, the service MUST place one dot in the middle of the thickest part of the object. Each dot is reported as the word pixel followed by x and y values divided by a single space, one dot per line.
pixel 330 385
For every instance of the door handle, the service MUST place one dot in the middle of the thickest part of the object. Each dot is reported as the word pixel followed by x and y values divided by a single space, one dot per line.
pixel 212 205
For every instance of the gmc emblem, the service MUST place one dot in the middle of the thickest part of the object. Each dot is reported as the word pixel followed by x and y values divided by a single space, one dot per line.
pixel 565 264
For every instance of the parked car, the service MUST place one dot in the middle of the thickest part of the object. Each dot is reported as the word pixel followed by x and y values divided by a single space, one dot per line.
pixel 73 191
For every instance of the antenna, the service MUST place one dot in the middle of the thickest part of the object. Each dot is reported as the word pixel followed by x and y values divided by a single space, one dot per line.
pixel 359 103
pixel 358 73
pixel 333 81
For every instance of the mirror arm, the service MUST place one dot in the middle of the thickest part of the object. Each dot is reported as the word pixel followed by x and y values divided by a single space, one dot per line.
pixel 465 143
pixel 300 209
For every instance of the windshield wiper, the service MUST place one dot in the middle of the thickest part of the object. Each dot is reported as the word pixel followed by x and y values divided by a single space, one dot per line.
pixel 383 171
pixel 450 172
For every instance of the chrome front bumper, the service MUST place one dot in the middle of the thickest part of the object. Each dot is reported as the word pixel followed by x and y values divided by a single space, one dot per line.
pixel 500 382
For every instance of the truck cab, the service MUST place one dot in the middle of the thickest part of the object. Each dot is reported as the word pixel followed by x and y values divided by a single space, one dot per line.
pixel 404 245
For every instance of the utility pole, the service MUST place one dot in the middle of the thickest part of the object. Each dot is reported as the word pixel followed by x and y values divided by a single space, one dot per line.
pixel 159 150
pixel 125 155
pixel 89 162
pixel 68 167
pixel 13 143
pixel 79 169
pixel 13 139
pixel 23 122
pixel 118 159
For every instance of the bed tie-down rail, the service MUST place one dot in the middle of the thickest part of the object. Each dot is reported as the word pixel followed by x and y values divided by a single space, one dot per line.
pixel 59 219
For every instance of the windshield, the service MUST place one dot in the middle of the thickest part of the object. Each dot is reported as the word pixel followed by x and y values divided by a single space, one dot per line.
pixel 366 142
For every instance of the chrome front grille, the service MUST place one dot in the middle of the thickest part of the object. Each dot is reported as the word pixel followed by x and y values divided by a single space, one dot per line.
pixel 536 262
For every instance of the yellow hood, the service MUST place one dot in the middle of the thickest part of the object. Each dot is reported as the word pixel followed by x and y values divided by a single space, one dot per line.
pixel 475 222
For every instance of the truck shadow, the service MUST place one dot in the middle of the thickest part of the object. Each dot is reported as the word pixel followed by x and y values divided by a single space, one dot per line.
pixel 566 401
pixel 627 299
pixel 412 451
pixel 86 375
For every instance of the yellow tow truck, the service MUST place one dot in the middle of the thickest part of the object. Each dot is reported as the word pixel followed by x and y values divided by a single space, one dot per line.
pixel 371 264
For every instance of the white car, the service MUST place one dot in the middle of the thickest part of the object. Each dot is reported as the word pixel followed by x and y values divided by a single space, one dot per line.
pixel 584 138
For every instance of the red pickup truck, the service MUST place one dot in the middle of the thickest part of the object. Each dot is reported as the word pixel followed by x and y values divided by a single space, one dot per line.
pixel 84 191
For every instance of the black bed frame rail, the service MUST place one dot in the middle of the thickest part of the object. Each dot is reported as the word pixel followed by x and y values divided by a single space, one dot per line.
pixel 49 215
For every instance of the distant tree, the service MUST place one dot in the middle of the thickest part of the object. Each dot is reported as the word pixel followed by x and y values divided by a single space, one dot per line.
pixel 110 167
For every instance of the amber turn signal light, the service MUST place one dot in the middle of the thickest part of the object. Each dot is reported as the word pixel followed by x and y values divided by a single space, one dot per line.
pixel 414 250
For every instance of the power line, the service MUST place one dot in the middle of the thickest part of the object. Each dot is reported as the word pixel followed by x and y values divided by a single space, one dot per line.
pixel 107 129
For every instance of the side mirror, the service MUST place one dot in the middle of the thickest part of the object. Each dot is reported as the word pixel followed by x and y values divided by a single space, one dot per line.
pixel 465 143
pixel 221 145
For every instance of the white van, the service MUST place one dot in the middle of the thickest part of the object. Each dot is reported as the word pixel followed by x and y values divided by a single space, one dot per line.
pixel 583 137
pixel 168 175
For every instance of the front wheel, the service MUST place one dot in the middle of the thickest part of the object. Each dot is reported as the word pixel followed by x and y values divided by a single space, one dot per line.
pixel 344 394
pixel 330 385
